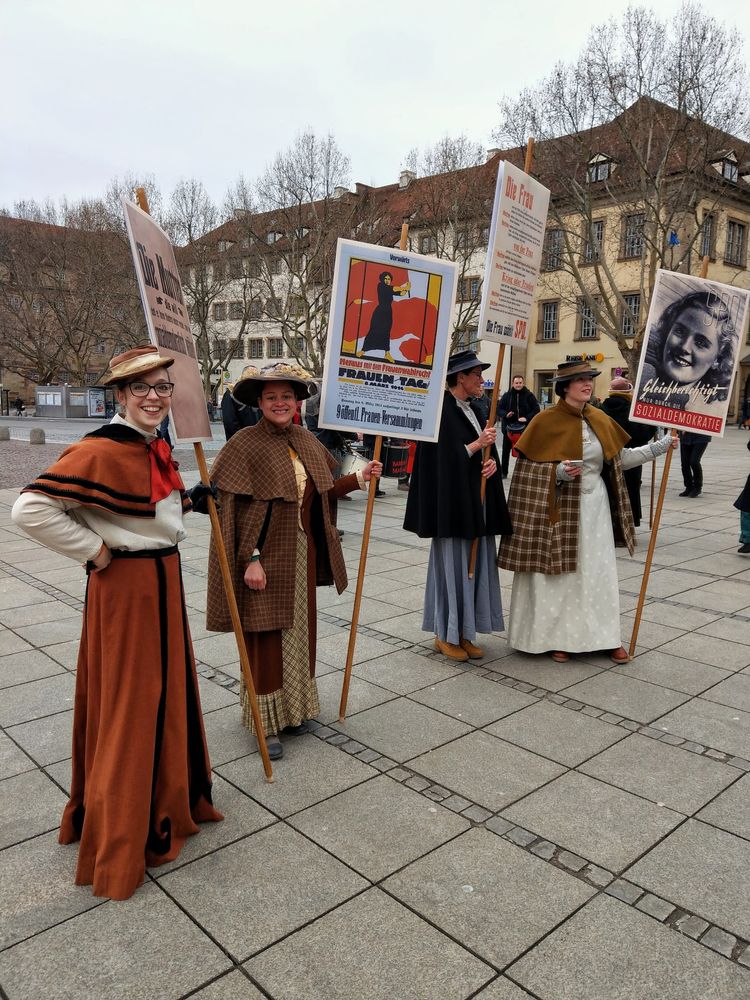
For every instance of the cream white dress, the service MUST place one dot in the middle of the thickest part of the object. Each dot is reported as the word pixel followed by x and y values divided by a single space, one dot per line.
pixel 577 612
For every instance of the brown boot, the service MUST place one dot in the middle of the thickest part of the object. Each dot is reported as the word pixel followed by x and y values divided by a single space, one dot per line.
pixel 451 650
pixel 475 652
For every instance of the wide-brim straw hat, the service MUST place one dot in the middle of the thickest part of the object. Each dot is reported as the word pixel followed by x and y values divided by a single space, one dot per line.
pixel 463 361
pixel 138 361
pixel 248 386
pixel 568 370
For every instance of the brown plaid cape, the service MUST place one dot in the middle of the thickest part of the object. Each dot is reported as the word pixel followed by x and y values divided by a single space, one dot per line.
pixel 254 474
pixel 545 518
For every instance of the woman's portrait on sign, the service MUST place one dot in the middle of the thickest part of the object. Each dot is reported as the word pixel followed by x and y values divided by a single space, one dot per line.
pixel 690 351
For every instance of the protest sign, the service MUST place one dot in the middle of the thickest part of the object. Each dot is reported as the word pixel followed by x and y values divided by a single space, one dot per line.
pixel 514 256
pixel 168 321
pixel 388 342
pixel 690 351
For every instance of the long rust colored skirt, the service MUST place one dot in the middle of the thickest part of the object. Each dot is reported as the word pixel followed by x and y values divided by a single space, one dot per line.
pixel 141 776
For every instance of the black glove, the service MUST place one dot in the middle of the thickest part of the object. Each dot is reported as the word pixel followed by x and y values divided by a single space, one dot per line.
pixel 199 495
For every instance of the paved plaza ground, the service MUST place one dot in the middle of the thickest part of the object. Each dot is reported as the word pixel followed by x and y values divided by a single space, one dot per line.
pixel 506 829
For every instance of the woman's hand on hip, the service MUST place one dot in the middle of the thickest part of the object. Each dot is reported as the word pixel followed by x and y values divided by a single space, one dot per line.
pixel 489 468
pixel 102 559
pixel 373 470
pixel 255 576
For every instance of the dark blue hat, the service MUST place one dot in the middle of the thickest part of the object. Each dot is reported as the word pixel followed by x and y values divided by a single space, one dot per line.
pixel 463 361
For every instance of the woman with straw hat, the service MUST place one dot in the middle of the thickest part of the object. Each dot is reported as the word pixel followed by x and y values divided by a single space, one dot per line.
pixel 277 506
pixel 569 508
pixel 141 778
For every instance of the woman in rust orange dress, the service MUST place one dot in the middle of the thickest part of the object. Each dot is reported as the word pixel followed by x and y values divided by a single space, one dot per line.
pixel 141 778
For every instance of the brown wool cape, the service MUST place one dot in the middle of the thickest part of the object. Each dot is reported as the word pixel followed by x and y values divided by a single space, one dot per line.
pixel 141 777
pixel 544 514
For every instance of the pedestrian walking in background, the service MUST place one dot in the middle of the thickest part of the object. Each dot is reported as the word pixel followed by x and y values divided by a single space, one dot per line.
pixel 516 408
pixel 742 503
pixel 569 508
pixel 141 778
pixel 444 504
pixel 617 406
pixel 692 446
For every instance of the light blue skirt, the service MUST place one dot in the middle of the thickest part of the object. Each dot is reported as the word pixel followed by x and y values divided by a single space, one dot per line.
pixel 456 607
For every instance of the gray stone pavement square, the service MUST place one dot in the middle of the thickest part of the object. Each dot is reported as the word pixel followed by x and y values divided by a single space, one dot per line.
pixel 261 888
pixel 473 699
pixel 66 653
pixel 214 696
pixel 35 614
pixel 680 780
pixel 16 594
pixel 371 948
pixel 626 696
pixel 609 951
pixel 362 695
pixel 226 737
pixel 711 724
pixel 11 643
pixel 33 665
pixel 12 759
pixel 29 804
pixel 357 824
pixel 734 692
pixel 558 733
pixel 112 952
pixel 709 649
pixel 673 672
pixel 703 870
pixel 309 772
pixel 596 821
pixel 486 770
pixel 37 887
pixel 542 671
pixel 402 729
pixel 217 649
pixel 403 672
pixel 44 633
pixel 733 629
pixel 489 894
pixel 48 739
pixel 731 809
pixel 503 989
pixel 234 986
pixel 333 649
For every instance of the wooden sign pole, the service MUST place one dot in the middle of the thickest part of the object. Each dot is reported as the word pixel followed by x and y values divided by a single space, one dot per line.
pixel 655 528
pixel 403 245
pixel 493 404
pixel 651 504
pixel 226 575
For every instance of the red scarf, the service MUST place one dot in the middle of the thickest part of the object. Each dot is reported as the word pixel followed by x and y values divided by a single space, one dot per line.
pixel 164 474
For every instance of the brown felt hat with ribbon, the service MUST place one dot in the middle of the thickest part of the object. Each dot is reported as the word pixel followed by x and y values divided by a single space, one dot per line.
pixel 138 361
pixel 250 384
pixel 568 370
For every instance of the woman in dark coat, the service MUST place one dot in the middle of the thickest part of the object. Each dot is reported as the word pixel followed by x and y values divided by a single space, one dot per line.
pixel 379 335
pixel 617 406
pixel 742 503
pixel 444 504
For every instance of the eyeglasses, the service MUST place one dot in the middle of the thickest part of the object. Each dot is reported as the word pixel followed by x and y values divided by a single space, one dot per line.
pixel 143 388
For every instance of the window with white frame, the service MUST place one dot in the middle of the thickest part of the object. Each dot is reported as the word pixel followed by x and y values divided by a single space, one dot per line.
pixel 632 241
pixel 587 325
pixel 736 249
pixel 468 339
pixel 594 238
pixel 428 243
pixel 255 348
pixel 220 311
pixel 630 314
pixel 599 169
pixel 553 248
pixel 549 329
pixel 707 242
pixel 275 347
pixel 236 310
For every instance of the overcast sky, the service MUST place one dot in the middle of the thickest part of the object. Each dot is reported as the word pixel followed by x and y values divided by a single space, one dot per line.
pixel 214 88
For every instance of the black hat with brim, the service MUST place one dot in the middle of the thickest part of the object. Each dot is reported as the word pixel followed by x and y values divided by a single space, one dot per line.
pixel 463 361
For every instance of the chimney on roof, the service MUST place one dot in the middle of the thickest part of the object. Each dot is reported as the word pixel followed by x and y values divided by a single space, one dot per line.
pixel 491 153
pixel 339 192
pixel 405 178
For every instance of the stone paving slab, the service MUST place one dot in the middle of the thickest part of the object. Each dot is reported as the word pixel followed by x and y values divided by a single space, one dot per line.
pixel 609 951
pixel 675 672
pixel 362 695
pixel 30 804
pixel 18 670
pixel 36 699
pixel 122 957
pixel 710 649
pixel 703 870
pixel 48 739
pixel 487 770
pixel 542 671
pixel 503 989
pixel 731 809
pixel 489 894
pixel 473 699
pixel 226 737
pixel 402 672
pixel 372 948
pixel 734 692
pixel 680 780
pixel 234 986
pixel 626 696
pixel 12 759
pixel 356 824
pixel 712 724
pixel 558 733
pixel 596 821
pixel 253 892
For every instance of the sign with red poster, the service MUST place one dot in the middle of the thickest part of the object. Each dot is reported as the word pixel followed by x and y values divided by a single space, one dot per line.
pixel 388 342
pixel 168 321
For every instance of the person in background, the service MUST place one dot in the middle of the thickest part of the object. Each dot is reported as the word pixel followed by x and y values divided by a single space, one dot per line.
pixel 444 504
pixel 18 405
pixel 692 446
pixel 234 414
pixel 277 508
pixel 742 503
pixel 617 406
pixel 517 406
pixel 141 777
pixel 569 508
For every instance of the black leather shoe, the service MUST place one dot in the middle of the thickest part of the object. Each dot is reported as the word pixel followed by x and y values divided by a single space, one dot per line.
pixel 274 747
pixel 294 730
pixel 685 493
pixel 695 492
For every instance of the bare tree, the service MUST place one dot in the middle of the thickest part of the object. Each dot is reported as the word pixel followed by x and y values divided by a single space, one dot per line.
pixel 629 138
pixel 452 204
